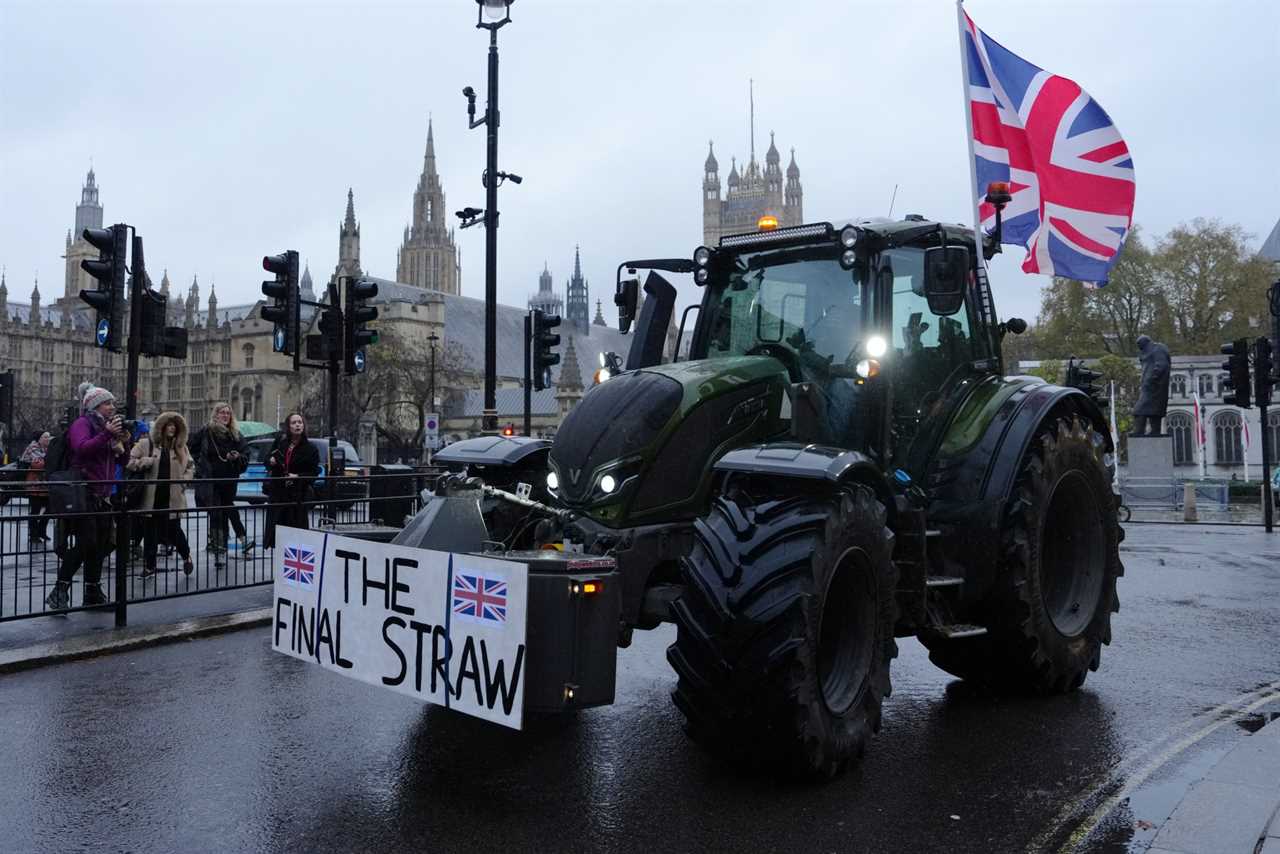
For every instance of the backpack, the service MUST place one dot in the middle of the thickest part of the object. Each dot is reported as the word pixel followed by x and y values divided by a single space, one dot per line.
pixel 58 457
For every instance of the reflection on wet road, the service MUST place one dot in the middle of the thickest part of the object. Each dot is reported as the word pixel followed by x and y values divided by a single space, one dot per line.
pixel 222 744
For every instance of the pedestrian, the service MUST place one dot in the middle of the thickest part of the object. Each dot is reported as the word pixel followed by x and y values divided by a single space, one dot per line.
pixel 95 442
pixel 221 454
pixel 140 429
pixel 162 455
pixel 293 465
pixel 37 490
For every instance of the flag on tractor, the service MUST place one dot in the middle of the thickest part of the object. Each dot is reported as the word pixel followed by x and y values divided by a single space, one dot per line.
pixel 1069 171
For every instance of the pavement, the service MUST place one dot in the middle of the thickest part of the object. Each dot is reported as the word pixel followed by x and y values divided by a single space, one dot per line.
pixel 1231 806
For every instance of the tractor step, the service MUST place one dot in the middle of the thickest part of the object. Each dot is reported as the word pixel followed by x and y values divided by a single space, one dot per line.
pixel 960 630
pixel 943 581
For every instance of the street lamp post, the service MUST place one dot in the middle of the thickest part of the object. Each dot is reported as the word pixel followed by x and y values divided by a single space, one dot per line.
pixel 432 339
pixel 491 15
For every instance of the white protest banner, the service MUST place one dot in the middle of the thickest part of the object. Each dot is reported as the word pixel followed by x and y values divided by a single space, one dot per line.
pixel 448 629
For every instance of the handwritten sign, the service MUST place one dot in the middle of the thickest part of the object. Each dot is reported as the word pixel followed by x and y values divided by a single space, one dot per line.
pixel 448 629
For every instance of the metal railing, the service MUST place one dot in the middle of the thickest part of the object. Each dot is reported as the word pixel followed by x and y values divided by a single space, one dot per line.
pixel 34 544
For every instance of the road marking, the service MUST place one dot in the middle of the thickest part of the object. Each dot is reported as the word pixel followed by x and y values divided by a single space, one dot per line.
pixel 1222 714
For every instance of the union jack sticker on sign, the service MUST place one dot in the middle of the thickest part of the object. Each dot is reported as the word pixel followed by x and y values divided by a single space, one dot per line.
pixel 299 566
pixel 480 598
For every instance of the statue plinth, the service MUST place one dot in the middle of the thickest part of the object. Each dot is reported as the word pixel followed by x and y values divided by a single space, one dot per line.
pixel 1151 457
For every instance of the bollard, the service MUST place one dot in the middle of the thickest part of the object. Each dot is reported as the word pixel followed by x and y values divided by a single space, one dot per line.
pixel 1189 502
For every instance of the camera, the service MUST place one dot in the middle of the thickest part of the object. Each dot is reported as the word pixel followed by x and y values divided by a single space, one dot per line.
pixel 130 426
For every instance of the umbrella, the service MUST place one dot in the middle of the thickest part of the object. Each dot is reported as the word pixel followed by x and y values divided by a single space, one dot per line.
pixel 249 429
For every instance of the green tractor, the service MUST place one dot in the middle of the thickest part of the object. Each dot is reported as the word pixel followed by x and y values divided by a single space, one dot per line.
pixel 839 461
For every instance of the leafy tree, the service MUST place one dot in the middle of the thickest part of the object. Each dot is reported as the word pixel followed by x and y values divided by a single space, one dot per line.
pixel 1049 370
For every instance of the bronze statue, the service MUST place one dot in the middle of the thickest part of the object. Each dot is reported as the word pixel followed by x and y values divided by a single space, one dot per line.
pixel 1153 395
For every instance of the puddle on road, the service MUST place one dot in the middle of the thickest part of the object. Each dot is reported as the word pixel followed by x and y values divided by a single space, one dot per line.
pixel 1134 824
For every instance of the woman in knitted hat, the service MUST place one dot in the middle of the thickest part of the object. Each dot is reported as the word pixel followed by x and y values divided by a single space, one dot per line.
pixel 162 454
pixel 96 441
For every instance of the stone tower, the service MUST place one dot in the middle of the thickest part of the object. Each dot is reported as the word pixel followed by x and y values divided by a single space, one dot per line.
pixel 88 215
pixel 306 286
pixel 569 387
pixel 428 257
pixel 348 242
pixel 599 320
pixel 545 299
pixel 751 194
pixel 577 303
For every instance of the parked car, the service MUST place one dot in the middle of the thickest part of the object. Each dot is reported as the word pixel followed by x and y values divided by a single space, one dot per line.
pixel 350 487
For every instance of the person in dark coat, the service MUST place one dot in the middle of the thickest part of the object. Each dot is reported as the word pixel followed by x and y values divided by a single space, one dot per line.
pixel 293 465
pixel 1153 395
pixel 221 453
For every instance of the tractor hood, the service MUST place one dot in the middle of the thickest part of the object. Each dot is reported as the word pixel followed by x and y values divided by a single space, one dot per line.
pixel 639 447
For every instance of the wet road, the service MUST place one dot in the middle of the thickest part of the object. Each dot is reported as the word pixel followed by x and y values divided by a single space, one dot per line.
pixel 221 744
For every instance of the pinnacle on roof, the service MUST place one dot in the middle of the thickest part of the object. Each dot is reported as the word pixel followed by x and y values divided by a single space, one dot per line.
pixel 711 165
pixel 733 172
pixel 164 281
pixel 306 277
pixel 793 171
pixel 577 263
pixel 429 165
pixel 349 224
pixel 570 373
pixel 1271 246
pixel 599 319
pixel 772 157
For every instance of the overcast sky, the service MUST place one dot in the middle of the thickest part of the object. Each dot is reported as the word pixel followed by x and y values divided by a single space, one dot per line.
pixel 224 131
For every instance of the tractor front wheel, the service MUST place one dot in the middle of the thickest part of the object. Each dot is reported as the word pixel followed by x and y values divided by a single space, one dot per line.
pixel 785 629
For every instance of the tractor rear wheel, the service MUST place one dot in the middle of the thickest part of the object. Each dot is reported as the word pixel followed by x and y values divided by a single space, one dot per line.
pixel 1049 613
pixel 785 629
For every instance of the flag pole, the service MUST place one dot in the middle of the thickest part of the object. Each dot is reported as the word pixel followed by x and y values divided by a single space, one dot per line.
pixel 968 123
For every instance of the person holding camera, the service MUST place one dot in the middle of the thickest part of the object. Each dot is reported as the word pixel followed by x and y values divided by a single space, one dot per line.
pixel 293 465
pixel 221 454
pixel 96 442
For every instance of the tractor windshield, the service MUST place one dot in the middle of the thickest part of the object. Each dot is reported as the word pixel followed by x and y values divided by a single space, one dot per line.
pixel 806 312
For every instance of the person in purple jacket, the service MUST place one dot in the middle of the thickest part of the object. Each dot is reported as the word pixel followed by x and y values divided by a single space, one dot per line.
pixel 96 443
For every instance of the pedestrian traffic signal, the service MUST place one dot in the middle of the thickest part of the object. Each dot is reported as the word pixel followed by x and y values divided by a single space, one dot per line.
pixel 1263 371
pixel 544 340
pixel 356 336
pixel 285 310
pixel 109 298
pixel 1237 368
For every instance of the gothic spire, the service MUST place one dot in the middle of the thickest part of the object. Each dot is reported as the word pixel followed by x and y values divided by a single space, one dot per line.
pixel 430 165
pixel 350 223
pixel 772 157
pixel 164 282
pixel 599 319
pixel 570 373
pixel 711 165
pixel 577 263
pixel 793 171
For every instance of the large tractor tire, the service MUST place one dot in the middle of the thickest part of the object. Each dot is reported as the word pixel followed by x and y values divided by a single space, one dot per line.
pixel 785 629
pixel 1049 612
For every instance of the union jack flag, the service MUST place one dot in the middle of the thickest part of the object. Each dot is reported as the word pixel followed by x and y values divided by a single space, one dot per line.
pixel 299 565
pixel 1069 170
pixel 480 598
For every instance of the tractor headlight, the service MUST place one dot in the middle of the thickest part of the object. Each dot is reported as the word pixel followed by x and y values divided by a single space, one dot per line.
pixel 848 236
pixel 848 259
pixel 876 346
pixel 702 256
pixel 701 276
pixel 608 484
pixel 553 481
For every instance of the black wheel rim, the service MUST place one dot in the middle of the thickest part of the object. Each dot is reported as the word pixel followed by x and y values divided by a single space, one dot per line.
pixel 1073 555
pixel 846 632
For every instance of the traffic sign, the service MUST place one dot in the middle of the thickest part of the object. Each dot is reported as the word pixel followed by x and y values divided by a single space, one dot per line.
pixel 432 431
pixel 104 330
pixel 281 336
pixel 358 361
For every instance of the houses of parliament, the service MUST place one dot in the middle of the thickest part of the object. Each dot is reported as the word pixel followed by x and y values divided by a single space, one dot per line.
pixel 48 343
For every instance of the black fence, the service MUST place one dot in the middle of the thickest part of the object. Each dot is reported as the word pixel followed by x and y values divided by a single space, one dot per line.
pixel 141 555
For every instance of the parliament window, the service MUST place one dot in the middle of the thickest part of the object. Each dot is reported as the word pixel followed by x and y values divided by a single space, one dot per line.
pixel 1178 385
pixel 1205 385
pixel 248 355
pixel 1228 446
pixel 1180 429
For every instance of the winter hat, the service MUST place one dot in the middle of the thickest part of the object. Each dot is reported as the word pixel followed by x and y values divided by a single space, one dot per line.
pixel 81 390
pixel 95 397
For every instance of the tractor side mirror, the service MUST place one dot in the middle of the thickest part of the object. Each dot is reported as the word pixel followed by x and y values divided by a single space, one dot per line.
pixel 946 272
pixel 1016 325
pixel 626 298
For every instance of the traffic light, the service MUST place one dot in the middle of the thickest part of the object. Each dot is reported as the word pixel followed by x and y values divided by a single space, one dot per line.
pixel 7 383
pixel 1263 371
pixel 285 311
pixel 1078 376
pixel 330 333
pixel 356 337
pixel 544 340
pixel 109 299
pixel 157 338
pixel 1237 366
